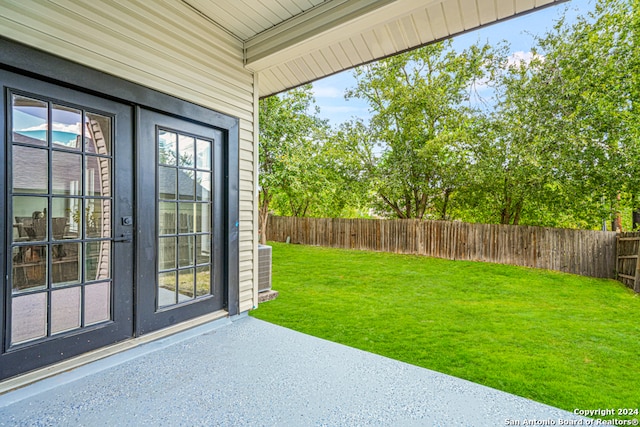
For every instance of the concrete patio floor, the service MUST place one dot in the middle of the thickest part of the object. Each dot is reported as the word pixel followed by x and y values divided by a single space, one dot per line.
pixel 246 372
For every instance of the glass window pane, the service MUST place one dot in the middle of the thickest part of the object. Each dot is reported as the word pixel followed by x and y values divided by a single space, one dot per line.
pixel 28 317
pixel 203 217
pixel 166 289
pixel 203 187
pixel 97 177
pixel 98 218
pixel 30 170
pixel 167 148
pixel 97 260
pixel 186 220
pixel 168 218
pixel 98 134
pixel 203 249
pixel 203 154
pixel 66 262
pixel 29 219
pixel 66 127
pixel 67 173
pixel 65 309
pixel 30 120
pixel 186 145
pixel 34 227
pixel 97 303
pixel 203 281
pixel 167 253
pixel 167 183
pixel 186 249
pixel 66 218
pixel 186 285
pixel 29 267
pixel 186 184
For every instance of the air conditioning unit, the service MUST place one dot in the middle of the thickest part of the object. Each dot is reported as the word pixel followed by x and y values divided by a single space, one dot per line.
pixel 264 268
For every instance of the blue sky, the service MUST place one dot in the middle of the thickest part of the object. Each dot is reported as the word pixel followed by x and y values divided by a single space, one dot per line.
pixel 518 32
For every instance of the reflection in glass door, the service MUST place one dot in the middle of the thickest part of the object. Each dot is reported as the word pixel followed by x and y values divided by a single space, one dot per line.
pixel 61 210
pixel 184 217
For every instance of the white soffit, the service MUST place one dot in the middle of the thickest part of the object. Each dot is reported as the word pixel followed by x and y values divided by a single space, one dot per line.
pixel 292 42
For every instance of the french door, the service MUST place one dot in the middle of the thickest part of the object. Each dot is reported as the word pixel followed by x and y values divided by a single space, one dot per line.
pixel 67 211
pixel 180 199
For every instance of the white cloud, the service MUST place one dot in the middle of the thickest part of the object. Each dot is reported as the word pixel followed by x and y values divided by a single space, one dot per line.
pixel 58 127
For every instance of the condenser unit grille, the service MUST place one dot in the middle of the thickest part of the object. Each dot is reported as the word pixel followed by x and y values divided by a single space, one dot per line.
pixel 264 268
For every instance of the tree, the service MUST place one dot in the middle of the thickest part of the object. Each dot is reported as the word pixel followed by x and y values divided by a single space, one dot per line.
pixel 560 146
pixel 585 103
pixel 288 125
pixel 420 105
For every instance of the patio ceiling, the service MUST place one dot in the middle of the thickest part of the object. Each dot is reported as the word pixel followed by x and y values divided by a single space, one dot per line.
pixel 292 42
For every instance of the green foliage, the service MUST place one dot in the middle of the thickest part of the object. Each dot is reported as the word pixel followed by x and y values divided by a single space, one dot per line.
pixel 557 145
pixel 420 110
pixel 543 335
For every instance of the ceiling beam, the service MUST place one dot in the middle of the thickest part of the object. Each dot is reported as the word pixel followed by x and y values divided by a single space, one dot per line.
pixel 312 23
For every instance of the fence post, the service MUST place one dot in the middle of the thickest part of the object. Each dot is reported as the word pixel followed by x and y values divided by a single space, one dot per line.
pixel 636 281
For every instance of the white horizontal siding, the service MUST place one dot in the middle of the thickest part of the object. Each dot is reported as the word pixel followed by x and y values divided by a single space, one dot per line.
pixel 163 45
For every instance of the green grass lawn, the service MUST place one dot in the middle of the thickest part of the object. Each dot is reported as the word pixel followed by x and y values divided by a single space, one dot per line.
pixel 561 339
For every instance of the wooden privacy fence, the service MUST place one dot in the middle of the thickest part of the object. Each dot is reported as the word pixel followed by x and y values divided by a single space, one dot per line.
pixel 628 264
pixel 584 252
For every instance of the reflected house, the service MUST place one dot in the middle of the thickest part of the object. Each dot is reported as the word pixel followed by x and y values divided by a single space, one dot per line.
pixel 129 171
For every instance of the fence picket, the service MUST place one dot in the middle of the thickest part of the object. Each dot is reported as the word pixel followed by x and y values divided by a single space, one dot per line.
pixel 584 252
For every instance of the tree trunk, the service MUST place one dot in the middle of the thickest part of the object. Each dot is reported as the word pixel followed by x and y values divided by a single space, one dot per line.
pixel 616 224
pixel 445 204
pixel 635 214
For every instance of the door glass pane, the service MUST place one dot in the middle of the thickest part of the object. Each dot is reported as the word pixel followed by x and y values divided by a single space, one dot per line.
pixel 185 285
pixel 203 281
pixel 66 218
pixel 67 173
pixel 28 317
pixel 30 170
pixel 98 134
pixel 203 186
pixel 167 183
pixel 66 263
pixel 65 309
pixel 66 127
pixel 97 218
pixel 97 176
pixel 186 184
pixel 30 122
pixel 29 221
pixel 29 268
pixel 167 253
pixel 97 260
pixel 167 289
pixel 203 249
pixel 186 249
pixel 203 154
pixel 97 303
pixel 186 222
pixel 168 218
pixel 203 218
pixel 187 147
pixel 167 148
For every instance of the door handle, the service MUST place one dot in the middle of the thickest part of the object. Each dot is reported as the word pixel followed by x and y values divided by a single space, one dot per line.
pixel 124 238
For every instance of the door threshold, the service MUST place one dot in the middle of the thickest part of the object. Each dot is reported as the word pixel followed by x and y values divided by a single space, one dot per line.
pixel 20 381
